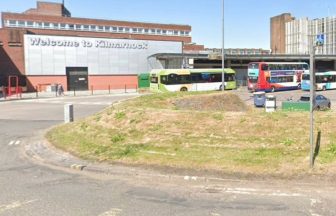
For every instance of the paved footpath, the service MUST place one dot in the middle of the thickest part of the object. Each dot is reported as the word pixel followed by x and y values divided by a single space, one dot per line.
pixel 36 179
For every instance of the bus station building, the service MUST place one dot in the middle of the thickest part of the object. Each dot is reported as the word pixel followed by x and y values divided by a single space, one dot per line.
pixel 45 45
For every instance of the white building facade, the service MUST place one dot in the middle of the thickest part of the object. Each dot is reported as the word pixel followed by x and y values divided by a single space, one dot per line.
pixel 301 33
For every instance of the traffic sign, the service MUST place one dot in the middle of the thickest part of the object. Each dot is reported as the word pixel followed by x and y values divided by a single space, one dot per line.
pixel 320 40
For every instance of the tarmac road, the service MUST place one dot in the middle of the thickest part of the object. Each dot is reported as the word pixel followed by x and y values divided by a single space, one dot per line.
pixel 33 188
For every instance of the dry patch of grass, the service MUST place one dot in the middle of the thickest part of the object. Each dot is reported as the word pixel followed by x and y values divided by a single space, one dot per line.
pixel 163 129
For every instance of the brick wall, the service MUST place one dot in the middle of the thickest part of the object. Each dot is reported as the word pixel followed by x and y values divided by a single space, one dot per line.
pixel 12 52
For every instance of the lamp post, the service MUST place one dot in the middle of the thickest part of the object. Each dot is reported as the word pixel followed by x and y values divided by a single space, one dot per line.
pixel 315 43
pixel 223 77
pixel 312 99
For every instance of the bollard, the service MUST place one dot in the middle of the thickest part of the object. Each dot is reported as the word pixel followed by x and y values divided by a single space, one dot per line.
pixel 36 92
pixel 74 91
pixel 109 88
pixel 91 90
pixel 68 113
pixel 4 92
pixel 125 89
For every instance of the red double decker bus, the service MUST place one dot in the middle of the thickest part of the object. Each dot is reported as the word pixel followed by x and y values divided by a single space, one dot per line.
pixel 273 76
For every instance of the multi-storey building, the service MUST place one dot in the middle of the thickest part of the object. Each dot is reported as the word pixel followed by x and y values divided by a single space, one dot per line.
pixel 46 45
pixel 301 33
pixel 278 32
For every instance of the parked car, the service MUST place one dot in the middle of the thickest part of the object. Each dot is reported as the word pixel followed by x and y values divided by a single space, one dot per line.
pixel 321 102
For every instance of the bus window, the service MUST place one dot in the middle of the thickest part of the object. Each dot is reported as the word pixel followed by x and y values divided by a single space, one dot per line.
pixel 194 78
pixel 216 78
pixel 174 79
pixel 265 67
pixel 183 79
pixel 305 77
pixel 253 66
pixel 154 79
pixel 229 77
pixel 205 77
pixel 164 79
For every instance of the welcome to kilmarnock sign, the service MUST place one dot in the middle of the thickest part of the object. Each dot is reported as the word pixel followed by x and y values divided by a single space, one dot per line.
pixel 98 43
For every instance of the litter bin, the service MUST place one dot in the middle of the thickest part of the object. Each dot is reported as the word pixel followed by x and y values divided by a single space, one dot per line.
pixel 259 99
pixel 270 104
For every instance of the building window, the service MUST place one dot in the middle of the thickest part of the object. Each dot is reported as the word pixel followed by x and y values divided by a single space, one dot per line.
pixel 21 23
pixel 12 23
pixel 100 28
pixel 158 31
pixel 107 28
pixel 93 28
pixel 55 25
pixel 85 27
pixel 62 26
pixel 146 31
pixel 164 32
pixel 134 30
pixel 38 25
pixel 78 27
pixel 30 24
pixel 140 30
pixel 152 31
pixel 127 30
pixel 121 29
pixel 114 29
pixel 46 25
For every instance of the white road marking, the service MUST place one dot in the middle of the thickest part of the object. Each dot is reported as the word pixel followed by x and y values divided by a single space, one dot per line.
pixel 14 205
pixel 255 192
pixel 112 212
pixel 14 142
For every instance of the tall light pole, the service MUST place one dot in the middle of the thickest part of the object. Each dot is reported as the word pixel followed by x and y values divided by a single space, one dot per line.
pixel 223 77
pixel 315 43
pixel 312 99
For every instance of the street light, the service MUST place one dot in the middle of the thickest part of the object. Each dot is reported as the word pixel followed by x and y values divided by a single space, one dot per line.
pixel 319 41
pixel 312 98
pixel 223 77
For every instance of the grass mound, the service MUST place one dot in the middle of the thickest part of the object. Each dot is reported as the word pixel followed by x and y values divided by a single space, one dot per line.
pixel 162 130
pixel 212 102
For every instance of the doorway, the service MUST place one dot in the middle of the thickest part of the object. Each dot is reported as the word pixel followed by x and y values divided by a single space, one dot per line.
pixel 77 78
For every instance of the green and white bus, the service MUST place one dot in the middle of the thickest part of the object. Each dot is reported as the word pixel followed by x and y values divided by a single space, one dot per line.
pixel 191 79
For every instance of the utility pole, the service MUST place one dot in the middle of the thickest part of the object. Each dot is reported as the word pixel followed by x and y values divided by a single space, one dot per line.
pixel 319 41
pixel 312 99
pixel 223 77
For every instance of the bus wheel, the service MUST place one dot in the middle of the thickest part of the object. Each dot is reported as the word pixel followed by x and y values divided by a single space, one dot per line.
pixel 324 88
pixel 272 89
pixel 183 89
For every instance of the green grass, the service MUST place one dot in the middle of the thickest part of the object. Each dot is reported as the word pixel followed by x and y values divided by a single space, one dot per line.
pixel 150 131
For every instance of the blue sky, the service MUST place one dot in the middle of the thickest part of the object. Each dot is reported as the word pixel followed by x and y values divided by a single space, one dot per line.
pixel 246 21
